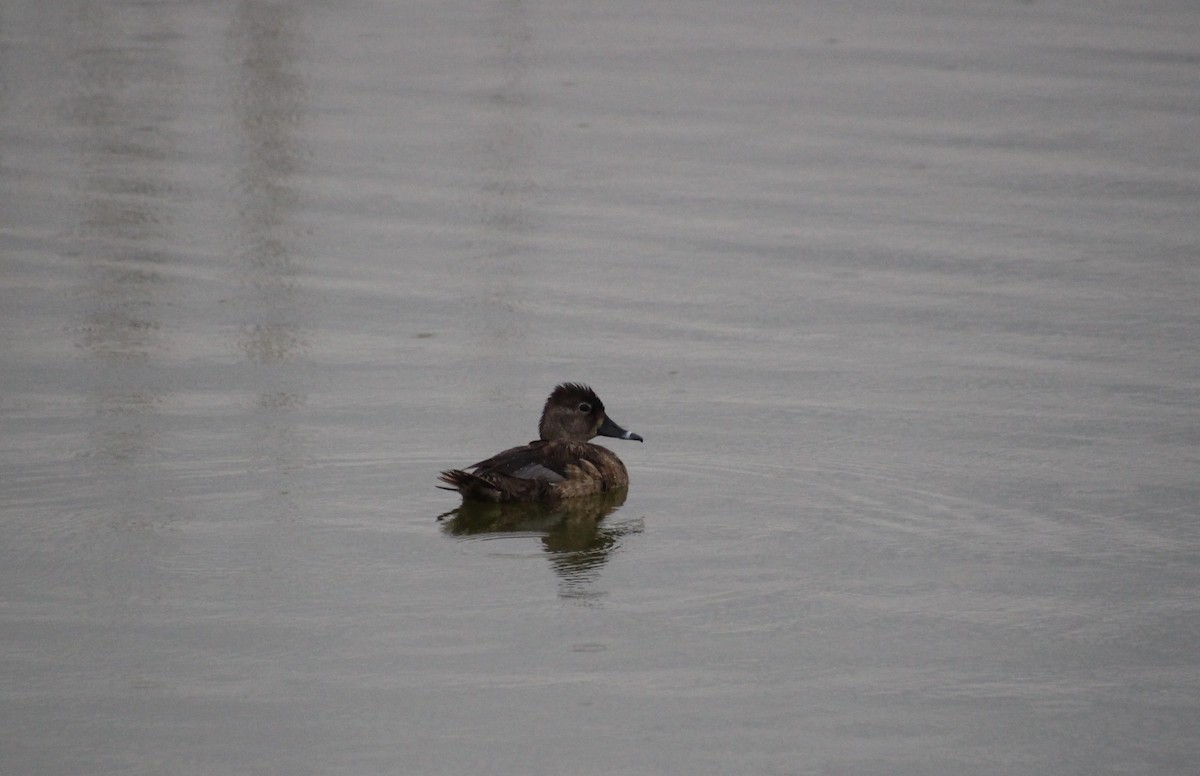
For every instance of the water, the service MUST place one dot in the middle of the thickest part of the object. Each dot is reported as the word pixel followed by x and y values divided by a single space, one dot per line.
pixel 902 297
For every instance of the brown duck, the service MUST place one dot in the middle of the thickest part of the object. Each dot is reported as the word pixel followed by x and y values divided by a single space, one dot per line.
pixel 561 464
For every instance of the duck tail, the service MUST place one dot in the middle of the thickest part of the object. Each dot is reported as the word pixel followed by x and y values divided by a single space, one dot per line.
pixel 471 486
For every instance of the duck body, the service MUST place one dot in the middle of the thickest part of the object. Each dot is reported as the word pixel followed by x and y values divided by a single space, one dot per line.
pixel 561 464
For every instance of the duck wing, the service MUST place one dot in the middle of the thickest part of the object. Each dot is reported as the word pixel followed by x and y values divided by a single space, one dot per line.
pixel 540 460
pixel 540 471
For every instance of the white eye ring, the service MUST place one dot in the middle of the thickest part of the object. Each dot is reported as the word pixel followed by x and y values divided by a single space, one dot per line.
pixel 585 407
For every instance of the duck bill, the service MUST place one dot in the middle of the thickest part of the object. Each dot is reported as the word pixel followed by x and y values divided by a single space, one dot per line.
pixel 610 429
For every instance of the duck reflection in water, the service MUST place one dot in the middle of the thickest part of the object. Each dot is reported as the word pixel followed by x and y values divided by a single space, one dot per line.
pixel 571 531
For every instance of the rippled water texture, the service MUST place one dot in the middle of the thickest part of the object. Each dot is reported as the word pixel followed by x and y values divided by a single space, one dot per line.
pixel 901 295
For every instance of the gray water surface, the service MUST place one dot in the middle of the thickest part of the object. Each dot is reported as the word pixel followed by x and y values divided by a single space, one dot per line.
pixel 903 297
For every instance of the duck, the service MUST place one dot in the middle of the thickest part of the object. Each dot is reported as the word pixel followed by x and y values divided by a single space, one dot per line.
pixel 561 463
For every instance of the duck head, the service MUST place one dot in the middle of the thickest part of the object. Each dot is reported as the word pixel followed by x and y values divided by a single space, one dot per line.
pixel 574 413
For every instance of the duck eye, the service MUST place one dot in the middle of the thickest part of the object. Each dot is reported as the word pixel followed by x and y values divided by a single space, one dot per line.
pixel 585 407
